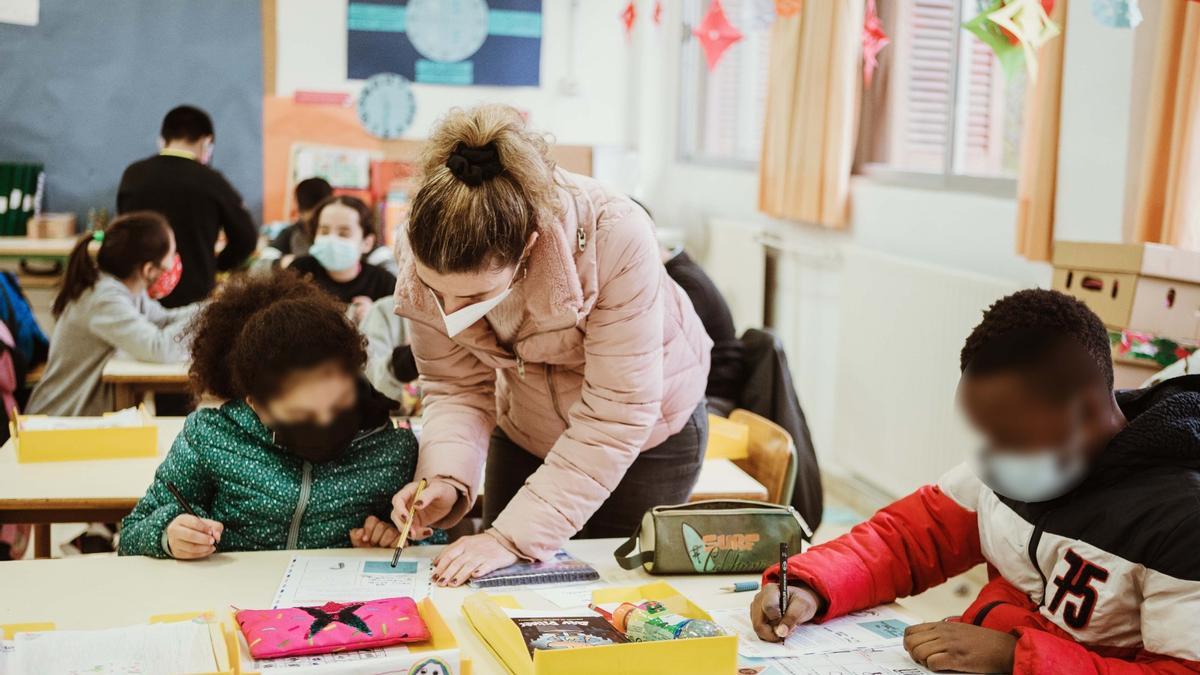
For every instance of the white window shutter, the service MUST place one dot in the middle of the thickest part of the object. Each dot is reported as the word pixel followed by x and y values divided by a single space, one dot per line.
pixel 923 82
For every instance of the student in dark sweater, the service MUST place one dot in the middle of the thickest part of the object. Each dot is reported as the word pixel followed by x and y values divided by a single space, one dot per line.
pixel 196 200
pixel 295 239
pixel 345 233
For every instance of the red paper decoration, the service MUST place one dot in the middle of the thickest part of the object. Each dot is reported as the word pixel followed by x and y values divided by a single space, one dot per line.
pixel 874 39
pixel 628 17
pixel 715 33
pixel 658 13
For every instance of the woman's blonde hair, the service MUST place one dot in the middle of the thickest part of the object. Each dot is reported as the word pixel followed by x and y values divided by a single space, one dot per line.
pixel 487 183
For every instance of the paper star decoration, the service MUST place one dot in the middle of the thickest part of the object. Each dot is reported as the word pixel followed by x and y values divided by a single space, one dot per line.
pixel 1117 13
pixel 874 39
pixel 715 33
pixel 628 17
pixel 658 13
pixel 788 7
pixel 1028 22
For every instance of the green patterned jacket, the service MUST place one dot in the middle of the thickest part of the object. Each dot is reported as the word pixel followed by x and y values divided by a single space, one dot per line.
pixel 226 465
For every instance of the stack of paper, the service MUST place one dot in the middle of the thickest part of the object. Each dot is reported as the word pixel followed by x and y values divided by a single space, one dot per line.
pixel 129 417
pixel 183 647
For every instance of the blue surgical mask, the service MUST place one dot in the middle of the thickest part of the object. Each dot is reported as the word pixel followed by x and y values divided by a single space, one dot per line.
pixel 335 253
pixel 1036 476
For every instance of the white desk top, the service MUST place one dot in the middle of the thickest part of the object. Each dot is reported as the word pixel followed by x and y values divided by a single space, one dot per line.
pixel 91 592
pixel 723 477
pixel 118 370
pixel 42 483
pixel 10 246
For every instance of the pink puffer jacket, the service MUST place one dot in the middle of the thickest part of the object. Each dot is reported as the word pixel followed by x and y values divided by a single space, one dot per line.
pixel 611 359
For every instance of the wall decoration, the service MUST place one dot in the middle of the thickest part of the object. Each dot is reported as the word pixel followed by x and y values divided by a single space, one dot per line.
pixel 628 18
pixel 1117 13
pixel 716 34
pixel 386 105
pixel 658 9
pixel 1014 29
pixel 874 39
pixel 454 42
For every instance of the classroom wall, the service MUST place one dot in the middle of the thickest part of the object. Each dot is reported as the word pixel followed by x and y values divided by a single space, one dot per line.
pixel 584 92
pixel 85 90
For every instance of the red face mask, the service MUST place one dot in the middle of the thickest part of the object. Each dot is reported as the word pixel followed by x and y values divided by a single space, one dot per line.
pixel 167 281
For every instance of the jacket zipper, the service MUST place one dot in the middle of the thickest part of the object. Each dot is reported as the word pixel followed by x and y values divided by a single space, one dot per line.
pixel 1034 541
pixel 554 393
pixel 301 504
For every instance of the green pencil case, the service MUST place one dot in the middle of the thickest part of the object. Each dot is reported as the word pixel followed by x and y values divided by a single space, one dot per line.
pixel 713 537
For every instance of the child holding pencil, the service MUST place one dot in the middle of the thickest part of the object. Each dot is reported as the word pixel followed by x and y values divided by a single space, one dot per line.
pixel 302 454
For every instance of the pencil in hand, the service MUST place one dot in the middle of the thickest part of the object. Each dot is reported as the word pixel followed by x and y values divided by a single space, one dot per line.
pixel 412 512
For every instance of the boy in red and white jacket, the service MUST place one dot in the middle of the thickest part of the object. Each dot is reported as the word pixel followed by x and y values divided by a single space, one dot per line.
pixel 1085 505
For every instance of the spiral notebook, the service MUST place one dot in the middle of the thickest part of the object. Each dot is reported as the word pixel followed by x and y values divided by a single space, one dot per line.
pixel 561 569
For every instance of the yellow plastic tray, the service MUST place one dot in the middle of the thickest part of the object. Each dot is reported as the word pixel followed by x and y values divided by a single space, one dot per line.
pixel 73 445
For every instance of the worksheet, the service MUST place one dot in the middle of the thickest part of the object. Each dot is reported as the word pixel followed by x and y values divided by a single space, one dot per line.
pixel 880 661
pixel 869 628
pixel 315 580
pixel 185 646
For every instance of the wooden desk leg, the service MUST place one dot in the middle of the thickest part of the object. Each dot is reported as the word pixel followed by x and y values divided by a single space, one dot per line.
pixel 41 540
pixel 124 396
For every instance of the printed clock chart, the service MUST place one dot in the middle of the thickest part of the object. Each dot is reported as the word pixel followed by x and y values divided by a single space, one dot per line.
pixel 453 42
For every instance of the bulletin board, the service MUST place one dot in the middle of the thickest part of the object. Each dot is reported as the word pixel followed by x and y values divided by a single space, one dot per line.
pixel 85 90
pixel 452 42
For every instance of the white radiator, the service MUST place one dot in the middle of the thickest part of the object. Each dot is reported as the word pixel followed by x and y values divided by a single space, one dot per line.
pixel 902 325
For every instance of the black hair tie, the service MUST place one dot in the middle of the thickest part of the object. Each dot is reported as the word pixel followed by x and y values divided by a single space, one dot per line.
pixel 474 165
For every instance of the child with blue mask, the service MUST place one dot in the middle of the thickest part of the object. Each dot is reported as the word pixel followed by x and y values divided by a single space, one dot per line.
pixel 344 232
pixel 1083 502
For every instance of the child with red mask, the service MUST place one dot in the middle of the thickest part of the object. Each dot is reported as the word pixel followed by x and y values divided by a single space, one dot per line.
pixel 110 304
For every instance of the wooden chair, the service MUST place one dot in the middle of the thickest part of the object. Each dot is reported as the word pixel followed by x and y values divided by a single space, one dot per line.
pixel 772 456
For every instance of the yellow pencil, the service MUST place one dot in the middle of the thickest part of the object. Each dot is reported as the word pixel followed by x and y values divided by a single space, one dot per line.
pixel 412 512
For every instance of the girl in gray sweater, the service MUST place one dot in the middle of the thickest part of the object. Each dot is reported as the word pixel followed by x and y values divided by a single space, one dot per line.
pixel 110 304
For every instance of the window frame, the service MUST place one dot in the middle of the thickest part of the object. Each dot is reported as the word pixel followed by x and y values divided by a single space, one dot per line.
pixel 947 179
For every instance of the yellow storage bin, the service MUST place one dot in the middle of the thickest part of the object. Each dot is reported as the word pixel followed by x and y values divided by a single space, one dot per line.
pixel 696 656
pixel 77 444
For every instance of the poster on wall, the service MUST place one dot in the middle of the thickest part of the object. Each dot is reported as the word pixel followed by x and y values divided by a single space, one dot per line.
pixel 452 42
pixel 20 12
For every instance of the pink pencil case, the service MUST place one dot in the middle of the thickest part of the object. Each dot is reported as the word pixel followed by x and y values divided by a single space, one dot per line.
pixel 332 627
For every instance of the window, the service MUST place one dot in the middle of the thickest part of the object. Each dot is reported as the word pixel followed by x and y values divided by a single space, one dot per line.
pixel 941 107
pixel 721 112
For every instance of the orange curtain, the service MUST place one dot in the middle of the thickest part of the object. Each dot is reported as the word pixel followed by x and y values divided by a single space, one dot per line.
pixel 1039 148
pixel 812 113
pixel 1168 208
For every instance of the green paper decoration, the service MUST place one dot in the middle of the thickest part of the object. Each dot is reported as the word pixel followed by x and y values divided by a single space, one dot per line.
pixel 1012 56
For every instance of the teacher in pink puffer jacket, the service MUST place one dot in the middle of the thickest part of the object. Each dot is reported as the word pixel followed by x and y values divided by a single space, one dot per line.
pixel 550 342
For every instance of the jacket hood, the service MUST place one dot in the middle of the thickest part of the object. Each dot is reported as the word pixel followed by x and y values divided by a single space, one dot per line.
pixel 1163 428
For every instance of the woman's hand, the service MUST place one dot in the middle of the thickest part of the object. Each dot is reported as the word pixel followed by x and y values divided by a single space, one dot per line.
pixel 946 645
pixel 470 557
pixel 191 538
pixel 374 533
pixel 772 626
pixel 437 499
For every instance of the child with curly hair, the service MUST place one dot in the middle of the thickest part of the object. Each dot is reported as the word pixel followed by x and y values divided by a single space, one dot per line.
pixel 301 454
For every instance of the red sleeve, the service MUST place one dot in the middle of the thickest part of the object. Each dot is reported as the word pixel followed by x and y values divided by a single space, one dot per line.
pixel 905 548
pixel 1040 652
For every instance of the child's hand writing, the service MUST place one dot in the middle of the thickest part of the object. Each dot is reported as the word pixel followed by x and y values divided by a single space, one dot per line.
pixel 189 537
pixel 374 533
pixel 802 606
pixel 946 645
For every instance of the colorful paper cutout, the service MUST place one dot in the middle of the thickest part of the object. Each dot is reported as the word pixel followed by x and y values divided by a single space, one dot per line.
pixel 788 7
pixel 874 39
pixel 658 9
pixel 629 17
pixel 1117 13
pixel 1006 45
pixel 716 34
pixel 1030 24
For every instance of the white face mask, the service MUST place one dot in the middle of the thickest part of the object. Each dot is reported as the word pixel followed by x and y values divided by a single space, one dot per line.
pixel 462 319
pixel 1036 476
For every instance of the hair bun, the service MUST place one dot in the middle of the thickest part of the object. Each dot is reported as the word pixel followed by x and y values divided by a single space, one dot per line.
pixel 473 166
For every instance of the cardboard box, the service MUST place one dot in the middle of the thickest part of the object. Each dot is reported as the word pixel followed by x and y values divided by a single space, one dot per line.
pixel 1144 287
pixel 51 226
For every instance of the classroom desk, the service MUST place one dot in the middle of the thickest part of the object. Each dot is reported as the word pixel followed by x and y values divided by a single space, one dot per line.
pixel 132 380
pixel 99 591
pixel 71 492
pixel 107 490
pixel 24 248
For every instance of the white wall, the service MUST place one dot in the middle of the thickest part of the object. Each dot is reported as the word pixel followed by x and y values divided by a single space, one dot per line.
pixel 312 56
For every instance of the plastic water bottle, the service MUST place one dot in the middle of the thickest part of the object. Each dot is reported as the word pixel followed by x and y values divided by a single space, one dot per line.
pixel 650 621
